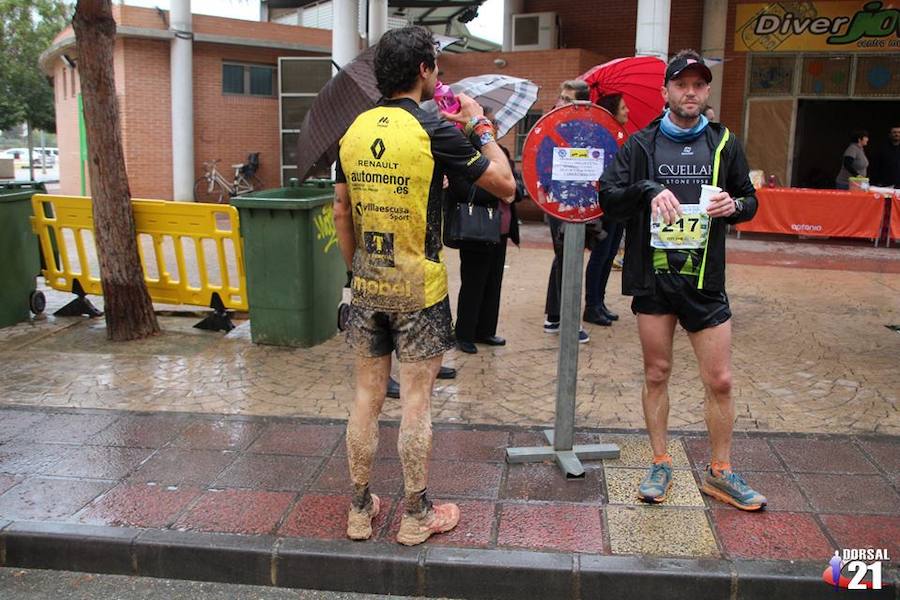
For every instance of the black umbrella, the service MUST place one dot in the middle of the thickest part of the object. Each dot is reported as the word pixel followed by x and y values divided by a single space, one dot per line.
pixel 352 91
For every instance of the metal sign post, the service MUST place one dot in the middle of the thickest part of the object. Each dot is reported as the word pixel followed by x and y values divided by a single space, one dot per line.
pixel 561 438
pixel 591 130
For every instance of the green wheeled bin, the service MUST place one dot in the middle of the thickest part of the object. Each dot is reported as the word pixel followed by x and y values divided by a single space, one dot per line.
pixel 19 256
pixel 295 272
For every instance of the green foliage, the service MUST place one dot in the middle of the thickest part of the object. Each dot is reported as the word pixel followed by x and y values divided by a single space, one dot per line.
pixel 27 28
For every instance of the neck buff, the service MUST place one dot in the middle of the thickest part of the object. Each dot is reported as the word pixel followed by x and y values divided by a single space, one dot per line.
pixel 679 134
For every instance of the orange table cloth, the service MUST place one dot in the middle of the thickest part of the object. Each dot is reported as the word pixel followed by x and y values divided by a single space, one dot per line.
pixel 833 213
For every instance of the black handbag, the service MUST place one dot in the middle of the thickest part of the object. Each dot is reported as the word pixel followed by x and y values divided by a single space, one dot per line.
pixel 470 222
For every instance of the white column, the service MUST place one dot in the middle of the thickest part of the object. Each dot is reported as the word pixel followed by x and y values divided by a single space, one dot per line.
pixel 378 20
pixel 344 31
pixel 652 37
pixel 181 67
pixel 510 8
pixel 715 19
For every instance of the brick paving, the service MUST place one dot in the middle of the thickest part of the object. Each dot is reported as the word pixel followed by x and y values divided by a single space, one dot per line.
pixel 198 433
pixel 811 354
pixel 115 477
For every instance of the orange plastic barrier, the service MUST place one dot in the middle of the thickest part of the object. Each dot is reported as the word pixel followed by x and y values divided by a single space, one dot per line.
pixel 895 218
pixel 809 212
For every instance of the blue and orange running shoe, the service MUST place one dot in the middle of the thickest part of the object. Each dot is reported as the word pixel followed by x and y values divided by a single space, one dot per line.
pixel 731 488
pixel 656 484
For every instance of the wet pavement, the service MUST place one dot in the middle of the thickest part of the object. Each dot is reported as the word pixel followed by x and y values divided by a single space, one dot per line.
pixel 286 479
pixel 811 353
pixel 195 437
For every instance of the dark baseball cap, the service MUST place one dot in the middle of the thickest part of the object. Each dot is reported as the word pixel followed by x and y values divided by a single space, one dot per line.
pixel 685 64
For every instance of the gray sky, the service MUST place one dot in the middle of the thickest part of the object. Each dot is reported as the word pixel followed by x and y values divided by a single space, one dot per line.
pixel 485 26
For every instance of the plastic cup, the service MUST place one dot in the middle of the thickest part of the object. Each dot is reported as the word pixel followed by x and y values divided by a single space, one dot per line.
pixel 706 194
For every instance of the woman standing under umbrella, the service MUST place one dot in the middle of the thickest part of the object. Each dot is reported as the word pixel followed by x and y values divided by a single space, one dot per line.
pixel 605 249
pixel 481 266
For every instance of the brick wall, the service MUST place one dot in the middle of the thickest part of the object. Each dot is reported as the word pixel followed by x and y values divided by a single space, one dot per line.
pixel 734 80
pixel 610 27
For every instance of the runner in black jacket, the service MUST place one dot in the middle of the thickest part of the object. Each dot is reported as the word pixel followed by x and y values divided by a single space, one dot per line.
pixel 675 263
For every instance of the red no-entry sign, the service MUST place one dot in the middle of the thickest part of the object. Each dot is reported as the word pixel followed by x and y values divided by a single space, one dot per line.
pixel 565 154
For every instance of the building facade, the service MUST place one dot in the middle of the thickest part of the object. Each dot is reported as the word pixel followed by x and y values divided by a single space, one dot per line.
pixel 792 79
pixel 235 96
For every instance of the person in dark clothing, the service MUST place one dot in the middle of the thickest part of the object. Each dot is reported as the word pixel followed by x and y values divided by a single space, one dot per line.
pixel 604 251
pixel 570 91
pixel 675 263
pixel 854 162
pixel 481 267
pixel 886 164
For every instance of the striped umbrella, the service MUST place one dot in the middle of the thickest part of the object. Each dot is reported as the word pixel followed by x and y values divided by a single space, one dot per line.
pixel 509 98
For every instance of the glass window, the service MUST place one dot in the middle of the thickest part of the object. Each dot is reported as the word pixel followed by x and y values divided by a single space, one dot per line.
pixel 232 79
pixel 289 148
pixel 293 109
pixel 878 76
pixel 522 129
pixel 825 76
pixel 304 76
pixel 771 75
pixel 261 80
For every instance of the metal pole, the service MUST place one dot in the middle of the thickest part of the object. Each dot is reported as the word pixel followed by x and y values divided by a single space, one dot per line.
pixel 567 369
pixel 182 85
pixel 378 20
pixel 562 438
pixel 652 36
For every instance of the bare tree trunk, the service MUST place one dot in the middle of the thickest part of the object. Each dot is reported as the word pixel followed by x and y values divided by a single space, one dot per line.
pixel 128 309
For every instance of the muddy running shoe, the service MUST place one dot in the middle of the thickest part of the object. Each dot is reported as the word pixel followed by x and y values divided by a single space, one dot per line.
pixel 359 522
pixel 438 519
pixel 731 488
pixel 656 484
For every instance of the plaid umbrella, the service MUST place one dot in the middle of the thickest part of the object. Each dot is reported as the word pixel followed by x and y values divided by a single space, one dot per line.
pixel 509 97
pixel 348 94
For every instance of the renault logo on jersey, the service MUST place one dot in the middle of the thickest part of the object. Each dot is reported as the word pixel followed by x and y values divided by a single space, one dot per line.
pixel 377 149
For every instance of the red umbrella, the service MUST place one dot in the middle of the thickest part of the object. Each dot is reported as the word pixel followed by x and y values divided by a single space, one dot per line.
pixel 639 80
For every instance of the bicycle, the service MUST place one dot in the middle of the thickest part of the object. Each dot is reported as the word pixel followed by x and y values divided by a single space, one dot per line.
pixel 212 186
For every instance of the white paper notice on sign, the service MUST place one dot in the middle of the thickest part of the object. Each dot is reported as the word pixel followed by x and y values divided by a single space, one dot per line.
pixel 577 164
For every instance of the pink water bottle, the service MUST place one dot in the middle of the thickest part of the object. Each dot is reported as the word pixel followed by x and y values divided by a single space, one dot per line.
pixel 446 100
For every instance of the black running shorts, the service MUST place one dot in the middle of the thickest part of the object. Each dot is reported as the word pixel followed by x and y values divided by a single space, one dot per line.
pixel 416 336
pixel 678 295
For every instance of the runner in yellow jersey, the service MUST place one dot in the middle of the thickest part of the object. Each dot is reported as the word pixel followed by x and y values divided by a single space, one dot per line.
pixel 387 213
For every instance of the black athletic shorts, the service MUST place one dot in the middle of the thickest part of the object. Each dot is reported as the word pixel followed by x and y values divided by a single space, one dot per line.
pixel 416 336
pixel 678 295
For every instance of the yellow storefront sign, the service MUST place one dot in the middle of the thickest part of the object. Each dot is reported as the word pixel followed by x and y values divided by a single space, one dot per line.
pixel 811 26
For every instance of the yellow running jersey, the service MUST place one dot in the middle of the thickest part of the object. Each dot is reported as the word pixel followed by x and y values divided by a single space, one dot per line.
pixel 393 159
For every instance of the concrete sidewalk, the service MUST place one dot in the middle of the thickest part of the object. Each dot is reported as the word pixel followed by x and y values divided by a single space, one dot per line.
pixel 199 455
pixel 263 501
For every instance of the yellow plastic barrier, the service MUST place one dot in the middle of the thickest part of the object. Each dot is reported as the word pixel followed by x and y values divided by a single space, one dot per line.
pixel 189 251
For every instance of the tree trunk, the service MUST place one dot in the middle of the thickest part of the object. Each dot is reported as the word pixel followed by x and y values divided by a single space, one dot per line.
pixel 127 305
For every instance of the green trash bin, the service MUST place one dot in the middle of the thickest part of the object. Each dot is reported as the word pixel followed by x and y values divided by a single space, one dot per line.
pixel 19 255
pixel 295 272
